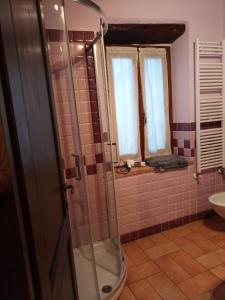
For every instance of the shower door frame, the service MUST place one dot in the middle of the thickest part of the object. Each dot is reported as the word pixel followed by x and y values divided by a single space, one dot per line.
pixel 103 28
pixel 74 108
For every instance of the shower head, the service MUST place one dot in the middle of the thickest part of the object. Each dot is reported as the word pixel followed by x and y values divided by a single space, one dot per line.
pixel 94 6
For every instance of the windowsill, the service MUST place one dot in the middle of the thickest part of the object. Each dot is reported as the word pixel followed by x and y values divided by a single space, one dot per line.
pixel 142 170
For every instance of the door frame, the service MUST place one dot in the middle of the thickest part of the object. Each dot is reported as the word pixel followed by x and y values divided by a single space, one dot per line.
pixel 16 132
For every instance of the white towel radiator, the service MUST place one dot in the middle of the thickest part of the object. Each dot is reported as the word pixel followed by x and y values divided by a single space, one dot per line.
pixel 210 104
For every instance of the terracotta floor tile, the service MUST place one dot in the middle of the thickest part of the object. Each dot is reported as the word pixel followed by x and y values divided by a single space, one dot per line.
pixel 177 232
pixel 129 262
pixel 202 243
pixel 207 232
pixel 201 228
pixel 175 272
pixel 219 271
pixel 165 287
pixel 126 294
pixel 159 239
pixel 199 284
pixel 144 291
pixel 189 247
pixel 145 243
pixel 136 254
pixel 207 296
pixel 187 261
pixel 189 264
pixel 212 259
pixel 160 250
pixel 219 240
pixel 142 271
pixel 195 225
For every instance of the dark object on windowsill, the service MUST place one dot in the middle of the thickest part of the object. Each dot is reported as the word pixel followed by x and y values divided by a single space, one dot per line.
pixel 123 168
pixel 167 162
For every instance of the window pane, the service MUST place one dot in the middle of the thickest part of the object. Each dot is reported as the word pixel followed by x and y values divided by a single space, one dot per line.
pixel 125 93
pixel 155 104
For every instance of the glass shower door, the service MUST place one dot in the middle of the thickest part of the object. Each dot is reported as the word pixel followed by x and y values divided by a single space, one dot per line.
pixel 77 75
pixel 87 74
pixel 66 112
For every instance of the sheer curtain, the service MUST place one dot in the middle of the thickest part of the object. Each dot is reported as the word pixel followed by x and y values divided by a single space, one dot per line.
pixel 123 92
pixel 153 66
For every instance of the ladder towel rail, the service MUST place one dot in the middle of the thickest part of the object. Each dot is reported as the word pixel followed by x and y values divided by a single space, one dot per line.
pixel 210 104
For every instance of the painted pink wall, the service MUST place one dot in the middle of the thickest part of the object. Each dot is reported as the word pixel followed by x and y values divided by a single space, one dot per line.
pixel 198 15
pixel 223 8
pixel 180 71
pixel 204 19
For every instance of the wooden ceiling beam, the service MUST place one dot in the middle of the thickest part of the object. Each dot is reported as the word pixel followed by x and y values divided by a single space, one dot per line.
pixel 122 34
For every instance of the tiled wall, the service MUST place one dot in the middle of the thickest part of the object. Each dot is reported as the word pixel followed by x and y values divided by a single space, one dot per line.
pixel 89 127
pixel 163 200
pixel 184 139
pixel 152 201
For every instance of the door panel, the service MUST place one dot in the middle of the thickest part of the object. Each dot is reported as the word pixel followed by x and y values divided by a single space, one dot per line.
pixel 30 106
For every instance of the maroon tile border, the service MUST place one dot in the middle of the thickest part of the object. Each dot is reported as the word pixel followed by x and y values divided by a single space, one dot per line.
pixel 93 96
pixel 55 35
pixel 192 126
pixel 132 236
pixel 183 126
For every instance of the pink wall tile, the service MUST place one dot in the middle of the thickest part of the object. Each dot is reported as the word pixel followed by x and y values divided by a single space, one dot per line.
pixel 150 199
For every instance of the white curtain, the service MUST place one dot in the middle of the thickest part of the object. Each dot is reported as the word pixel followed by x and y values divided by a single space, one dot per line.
pixel 123 91
pixel 155 93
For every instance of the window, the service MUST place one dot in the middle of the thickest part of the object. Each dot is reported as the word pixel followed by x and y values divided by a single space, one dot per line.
pixel 139 101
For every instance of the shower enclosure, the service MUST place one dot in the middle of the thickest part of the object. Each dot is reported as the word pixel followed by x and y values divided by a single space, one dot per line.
pixel 76 62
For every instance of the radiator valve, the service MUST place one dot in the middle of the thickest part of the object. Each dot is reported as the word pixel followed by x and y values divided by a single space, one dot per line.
pixel 221 170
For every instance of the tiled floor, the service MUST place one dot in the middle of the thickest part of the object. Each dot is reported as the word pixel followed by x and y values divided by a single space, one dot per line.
pixel 187 262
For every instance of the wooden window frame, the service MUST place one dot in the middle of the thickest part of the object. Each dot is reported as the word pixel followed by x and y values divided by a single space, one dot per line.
pixel 142 117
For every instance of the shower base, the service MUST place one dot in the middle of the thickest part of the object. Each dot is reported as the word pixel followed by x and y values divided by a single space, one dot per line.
pixel 107 267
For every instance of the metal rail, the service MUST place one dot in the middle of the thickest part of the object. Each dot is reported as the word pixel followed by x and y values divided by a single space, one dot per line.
pixel 95 7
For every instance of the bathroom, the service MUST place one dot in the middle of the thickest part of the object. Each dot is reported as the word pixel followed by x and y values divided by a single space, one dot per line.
pixel 134 231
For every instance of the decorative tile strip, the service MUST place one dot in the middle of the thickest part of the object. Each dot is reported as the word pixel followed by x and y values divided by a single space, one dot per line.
pixel 132 236
pixel 183 126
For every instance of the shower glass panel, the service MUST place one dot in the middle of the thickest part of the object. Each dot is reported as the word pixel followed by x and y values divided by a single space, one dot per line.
pixel 87 68
pixel 70 145
pixel 79 88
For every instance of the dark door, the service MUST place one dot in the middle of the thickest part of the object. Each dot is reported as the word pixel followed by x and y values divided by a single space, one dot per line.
pixel 29 113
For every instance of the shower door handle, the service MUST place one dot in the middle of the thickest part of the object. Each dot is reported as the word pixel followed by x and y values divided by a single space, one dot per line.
pixel 68 187
pixel 77 167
